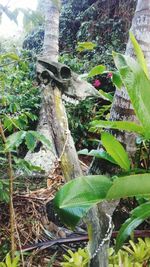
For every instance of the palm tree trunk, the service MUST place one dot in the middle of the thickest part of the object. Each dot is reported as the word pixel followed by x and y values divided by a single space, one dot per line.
pixel 51 35
pixel 121 107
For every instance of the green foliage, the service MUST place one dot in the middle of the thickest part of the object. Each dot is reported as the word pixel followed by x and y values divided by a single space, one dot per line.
pixel 136 254
pixel 19 104
pixel 78 118
pixel 79 258
pixel 10 262
pixel 20 99
pixel 73 62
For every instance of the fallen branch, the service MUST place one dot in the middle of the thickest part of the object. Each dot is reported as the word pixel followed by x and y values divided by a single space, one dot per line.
pixel 83 238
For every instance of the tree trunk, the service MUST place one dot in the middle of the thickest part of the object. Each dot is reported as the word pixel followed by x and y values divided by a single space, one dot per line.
pixel 121 110
pixel 121 107
pixel 58 127
pixel 53 122
pixel 51 33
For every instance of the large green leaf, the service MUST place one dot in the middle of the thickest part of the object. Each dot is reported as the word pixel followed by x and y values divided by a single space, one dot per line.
pixel 115 150
pixel 138 87
pixel 119 125
pixel 78 195
pixel 139 54
pixel 130 186
pixel 97 70
pixel 138 215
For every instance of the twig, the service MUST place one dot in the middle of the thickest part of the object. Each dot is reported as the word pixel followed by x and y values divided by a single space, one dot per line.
pixel 11 208
pixel 19 241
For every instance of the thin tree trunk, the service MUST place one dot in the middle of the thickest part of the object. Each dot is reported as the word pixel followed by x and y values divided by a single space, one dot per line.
pixel 51 35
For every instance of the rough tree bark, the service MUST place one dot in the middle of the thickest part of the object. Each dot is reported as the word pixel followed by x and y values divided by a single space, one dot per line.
pixel 121 110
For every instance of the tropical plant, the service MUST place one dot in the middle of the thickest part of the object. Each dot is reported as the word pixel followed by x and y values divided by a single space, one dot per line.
pixel 10 262
pixel 84 192
pixel 135 254
pixel 80 258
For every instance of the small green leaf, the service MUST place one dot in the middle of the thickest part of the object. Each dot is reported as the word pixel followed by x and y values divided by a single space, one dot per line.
pixel 15 261
pixel 82 46
pixel 96 71
pixel 115 150
pixel 139 54
pixel 8 260
pixel 116 79
pixel 138 215
pixel 30 141
pixel 14 140
pixel 78 195
pixel 106 96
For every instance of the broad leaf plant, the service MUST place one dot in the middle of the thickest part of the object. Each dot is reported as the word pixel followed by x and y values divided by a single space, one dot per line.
pixel 76 197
